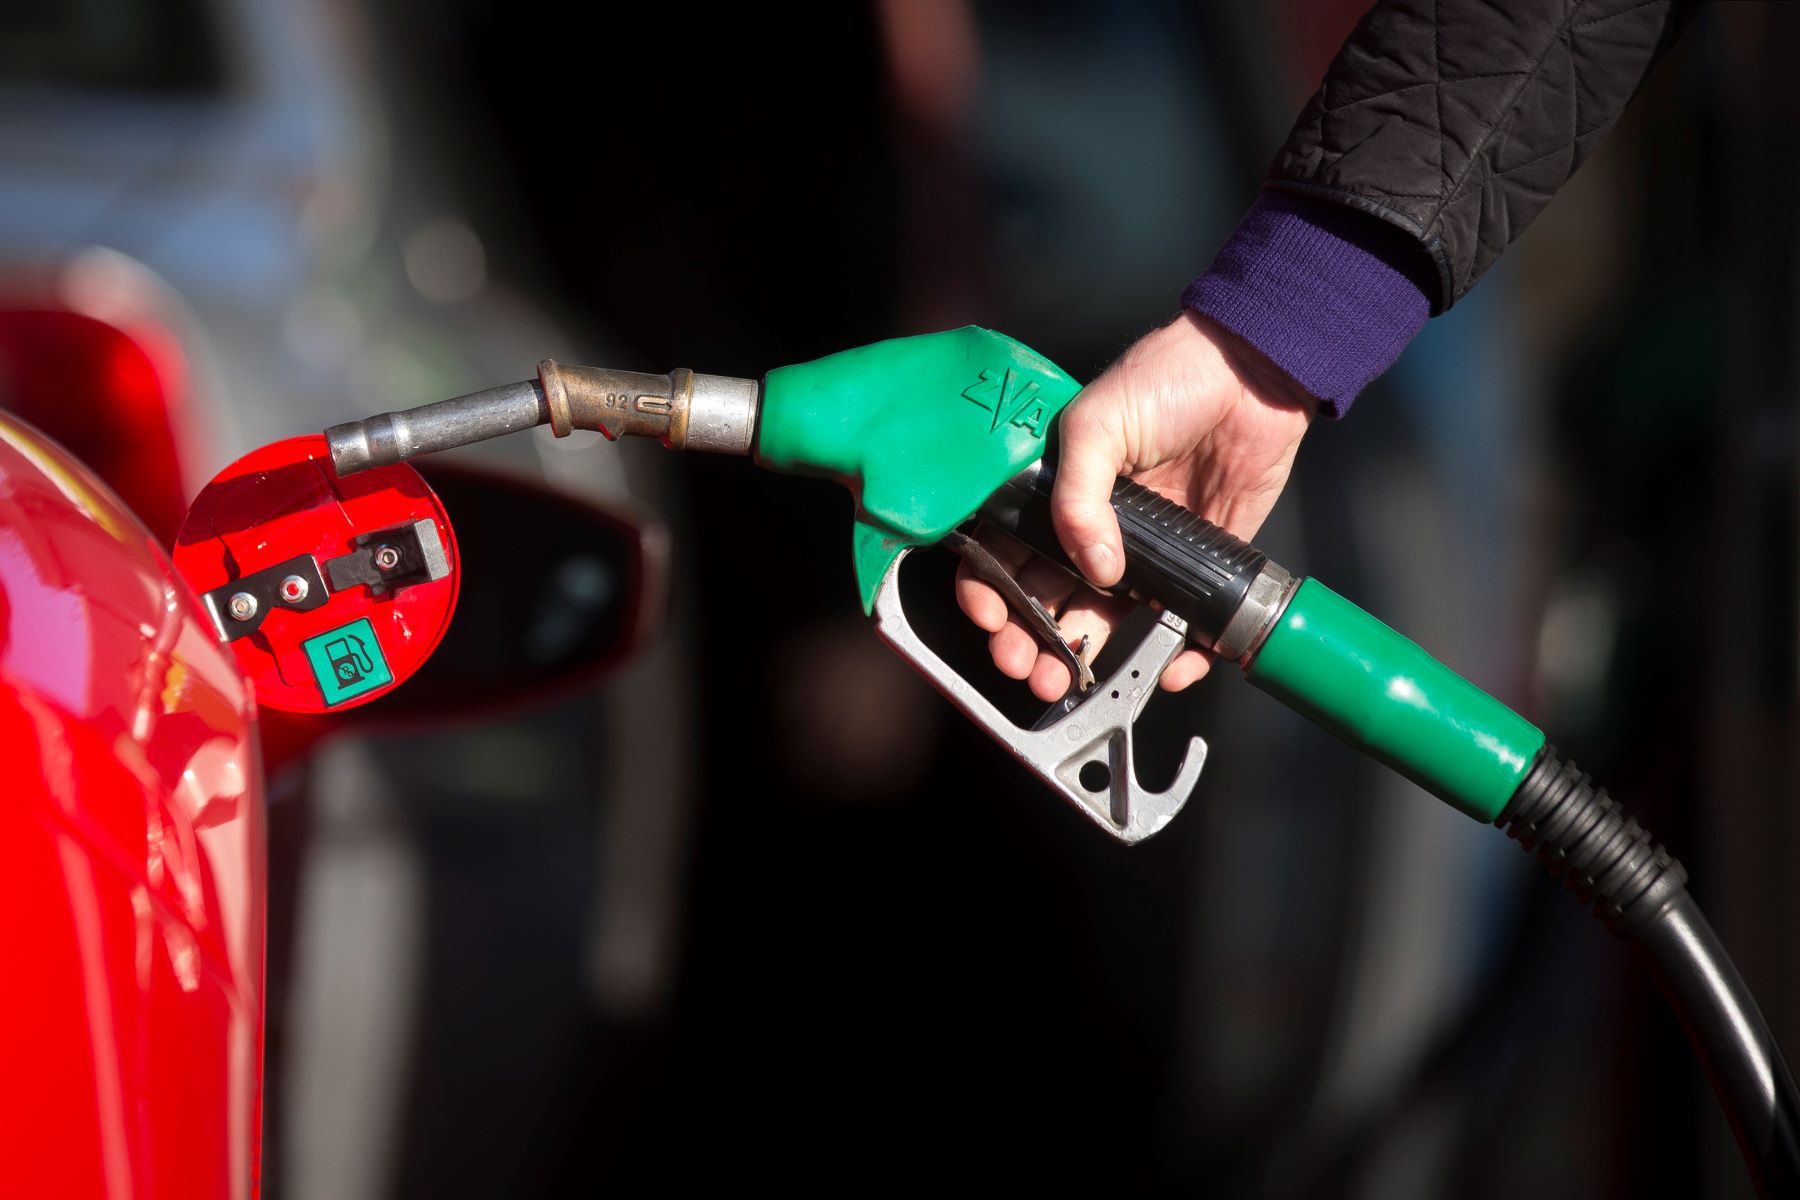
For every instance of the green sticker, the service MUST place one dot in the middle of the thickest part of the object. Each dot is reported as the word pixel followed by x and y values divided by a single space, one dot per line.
pixel 347 661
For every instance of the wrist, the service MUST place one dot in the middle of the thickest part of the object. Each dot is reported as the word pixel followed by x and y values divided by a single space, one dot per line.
pixel 1325 295
pixel 1255 372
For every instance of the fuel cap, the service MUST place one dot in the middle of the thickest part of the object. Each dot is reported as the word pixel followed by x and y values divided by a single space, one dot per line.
pixel 331 591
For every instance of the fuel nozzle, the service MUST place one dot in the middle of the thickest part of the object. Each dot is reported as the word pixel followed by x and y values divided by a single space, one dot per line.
pixel 683 410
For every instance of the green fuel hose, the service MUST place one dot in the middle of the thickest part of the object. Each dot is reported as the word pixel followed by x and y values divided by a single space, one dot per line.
pixel 1383 695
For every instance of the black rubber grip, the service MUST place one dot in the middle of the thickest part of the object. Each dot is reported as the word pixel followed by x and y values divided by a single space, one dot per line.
pixel 1184 563
pixel 1187 564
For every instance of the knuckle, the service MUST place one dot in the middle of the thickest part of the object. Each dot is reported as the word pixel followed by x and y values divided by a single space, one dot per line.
pixel 1082 423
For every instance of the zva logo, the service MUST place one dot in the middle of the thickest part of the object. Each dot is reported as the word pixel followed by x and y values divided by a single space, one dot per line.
pixel 1012 398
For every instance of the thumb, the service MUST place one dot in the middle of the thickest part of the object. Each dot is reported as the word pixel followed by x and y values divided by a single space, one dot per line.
pixel 1091 456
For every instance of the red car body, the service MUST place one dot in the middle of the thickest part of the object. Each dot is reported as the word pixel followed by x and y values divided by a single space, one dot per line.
pixel 133 891
pixel 134 883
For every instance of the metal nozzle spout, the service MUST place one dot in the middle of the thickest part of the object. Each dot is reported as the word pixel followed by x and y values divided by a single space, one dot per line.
pixel 682 410
pixel 397 436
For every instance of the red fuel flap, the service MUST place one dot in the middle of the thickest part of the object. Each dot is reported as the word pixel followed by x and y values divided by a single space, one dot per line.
pixel 331 591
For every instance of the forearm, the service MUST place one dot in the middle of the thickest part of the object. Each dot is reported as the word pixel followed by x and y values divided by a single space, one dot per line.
pixel 1457 121
pixel 1442 128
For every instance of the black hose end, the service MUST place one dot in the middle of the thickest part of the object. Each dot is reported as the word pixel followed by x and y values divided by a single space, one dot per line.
pixel 1639 890
pixel 1600 852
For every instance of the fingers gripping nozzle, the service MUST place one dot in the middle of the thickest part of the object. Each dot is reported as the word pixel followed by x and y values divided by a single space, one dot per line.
pixel 683 410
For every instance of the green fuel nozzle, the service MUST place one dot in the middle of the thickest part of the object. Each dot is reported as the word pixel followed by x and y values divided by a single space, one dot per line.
pixel 930 431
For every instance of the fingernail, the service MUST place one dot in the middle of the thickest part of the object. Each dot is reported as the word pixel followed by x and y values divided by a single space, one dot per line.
pixel 1097 561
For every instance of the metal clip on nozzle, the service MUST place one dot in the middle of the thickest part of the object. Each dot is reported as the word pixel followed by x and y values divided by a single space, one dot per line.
pixel 683 410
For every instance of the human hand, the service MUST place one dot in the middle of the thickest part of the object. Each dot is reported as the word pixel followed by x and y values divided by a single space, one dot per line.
pixel 1191 411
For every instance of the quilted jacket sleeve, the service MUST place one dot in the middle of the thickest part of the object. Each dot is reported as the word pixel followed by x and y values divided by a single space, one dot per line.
pixel 1457 120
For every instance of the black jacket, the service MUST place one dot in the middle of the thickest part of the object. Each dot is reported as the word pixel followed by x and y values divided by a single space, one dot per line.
pixel 1457 120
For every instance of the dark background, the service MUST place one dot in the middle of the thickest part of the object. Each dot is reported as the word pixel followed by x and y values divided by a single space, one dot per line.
pixel 896 961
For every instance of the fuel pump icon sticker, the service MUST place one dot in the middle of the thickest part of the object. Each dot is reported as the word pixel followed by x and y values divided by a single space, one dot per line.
pixel 330 591
pixel 347 662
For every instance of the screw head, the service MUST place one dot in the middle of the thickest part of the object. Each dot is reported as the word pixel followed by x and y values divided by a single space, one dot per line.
pixel 241 606
pixel 294 589
pixel 387 557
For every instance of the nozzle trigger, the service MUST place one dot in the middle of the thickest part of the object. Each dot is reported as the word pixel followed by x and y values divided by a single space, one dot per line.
pixel 991 571
pixel 1084 751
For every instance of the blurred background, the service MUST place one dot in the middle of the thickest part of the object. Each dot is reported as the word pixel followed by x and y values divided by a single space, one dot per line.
pixel 758 906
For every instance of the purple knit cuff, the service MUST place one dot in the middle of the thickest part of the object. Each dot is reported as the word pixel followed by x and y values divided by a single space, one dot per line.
pixel 1328 294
